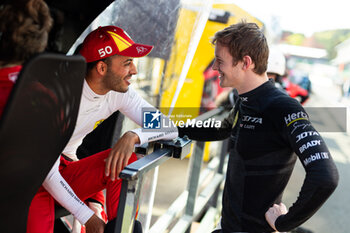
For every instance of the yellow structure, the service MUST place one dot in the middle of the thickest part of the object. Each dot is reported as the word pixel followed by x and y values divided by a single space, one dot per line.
pixel 189 100
pixel 191 92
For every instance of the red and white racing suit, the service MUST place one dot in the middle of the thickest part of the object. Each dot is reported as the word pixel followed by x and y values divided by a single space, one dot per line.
pixel 86 177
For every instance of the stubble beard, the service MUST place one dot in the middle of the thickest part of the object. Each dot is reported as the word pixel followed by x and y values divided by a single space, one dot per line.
pixel 114 82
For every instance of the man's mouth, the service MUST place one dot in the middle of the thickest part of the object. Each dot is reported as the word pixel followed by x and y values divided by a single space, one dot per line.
pixel 126 79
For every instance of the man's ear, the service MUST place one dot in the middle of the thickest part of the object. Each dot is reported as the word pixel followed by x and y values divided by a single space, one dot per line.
pixel 101 68
pixel 247 62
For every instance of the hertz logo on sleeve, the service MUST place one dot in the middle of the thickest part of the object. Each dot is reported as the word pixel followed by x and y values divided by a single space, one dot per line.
pixel 291 118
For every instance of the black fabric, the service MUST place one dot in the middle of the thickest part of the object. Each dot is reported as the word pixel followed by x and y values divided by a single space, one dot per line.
pixel 37 123
pixel 60 227
pixel 137 227
pixel 100 138
pixel 71 18
pixel 273 130
pixel 110 226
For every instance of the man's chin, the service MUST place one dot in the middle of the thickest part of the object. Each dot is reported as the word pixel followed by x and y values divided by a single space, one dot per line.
pixel 122 90
pixel 126 89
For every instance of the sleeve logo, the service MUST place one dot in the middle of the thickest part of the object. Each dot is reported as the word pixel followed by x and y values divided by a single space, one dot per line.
pixel 306 134
pixel 291 118
pixel 309 144
pixel 316 156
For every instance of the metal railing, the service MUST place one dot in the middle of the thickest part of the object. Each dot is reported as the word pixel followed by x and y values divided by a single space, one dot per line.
pixel 190 204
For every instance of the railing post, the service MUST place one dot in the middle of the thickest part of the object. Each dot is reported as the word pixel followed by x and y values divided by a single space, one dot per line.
pixel 223 152
pixel 196 161
pixel 127 207
pixel 132 178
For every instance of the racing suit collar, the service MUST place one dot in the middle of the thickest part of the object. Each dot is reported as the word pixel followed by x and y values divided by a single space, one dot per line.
pixel 90 94
pixel 255 93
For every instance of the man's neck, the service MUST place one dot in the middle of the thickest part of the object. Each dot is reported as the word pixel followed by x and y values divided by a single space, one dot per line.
pixel 95 86
pixel 252 81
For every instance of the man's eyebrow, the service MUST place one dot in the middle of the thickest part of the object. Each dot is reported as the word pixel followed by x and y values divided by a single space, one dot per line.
pixel 128 60
pixel 218 58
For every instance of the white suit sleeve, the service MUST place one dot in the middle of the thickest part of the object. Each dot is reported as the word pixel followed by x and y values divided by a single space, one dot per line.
pixel 133 106
pixel 154 136
pixel 55 184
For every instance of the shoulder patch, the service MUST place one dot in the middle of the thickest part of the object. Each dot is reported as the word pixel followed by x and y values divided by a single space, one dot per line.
pixel 293 117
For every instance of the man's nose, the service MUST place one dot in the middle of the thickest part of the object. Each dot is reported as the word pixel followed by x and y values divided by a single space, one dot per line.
pixel 214 66
pixel 133 69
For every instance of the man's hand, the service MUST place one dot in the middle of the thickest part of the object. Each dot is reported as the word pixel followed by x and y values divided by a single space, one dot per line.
pixel 274 212
pixel 120 154
pixel 95 225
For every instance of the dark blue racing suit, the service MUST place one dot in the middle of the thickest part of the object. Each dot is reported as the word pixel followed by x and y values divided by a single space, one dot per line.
pixel 268 130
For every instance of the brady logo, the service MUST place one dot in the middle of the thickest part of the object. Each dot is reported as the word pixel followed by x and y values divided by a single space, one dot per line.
pixel 309 144
pixel 151 120
pixel 306 134
pixel 295 117
pixel 252 119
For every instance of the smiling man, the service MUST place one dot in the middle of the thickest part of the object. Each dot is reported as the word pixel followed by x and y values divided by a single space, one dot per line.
pixel 268 131
pixel 109 53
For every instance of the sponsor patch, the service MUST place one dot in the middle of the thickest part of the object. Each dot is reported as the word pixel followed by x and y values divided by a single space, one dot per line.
pixel 306 134
pixel 141 49
pixel 244 99
pixel 316 156
pixel 251 119
pixel 309 144
pixel 293 117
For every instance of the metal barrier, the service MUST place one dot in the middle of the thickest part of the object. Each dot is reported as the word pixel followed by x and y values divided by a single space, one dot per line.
pixel 189 205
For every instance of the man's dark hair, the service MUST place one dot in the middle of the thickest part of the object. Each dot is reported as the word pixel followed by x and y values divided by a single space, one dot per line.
pixel 91 65
pixel 24 28
pixel 245 39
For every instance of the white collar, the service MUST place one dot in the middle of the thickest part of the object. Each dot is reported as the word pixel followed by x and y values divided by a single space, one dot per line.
pixel 89 93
